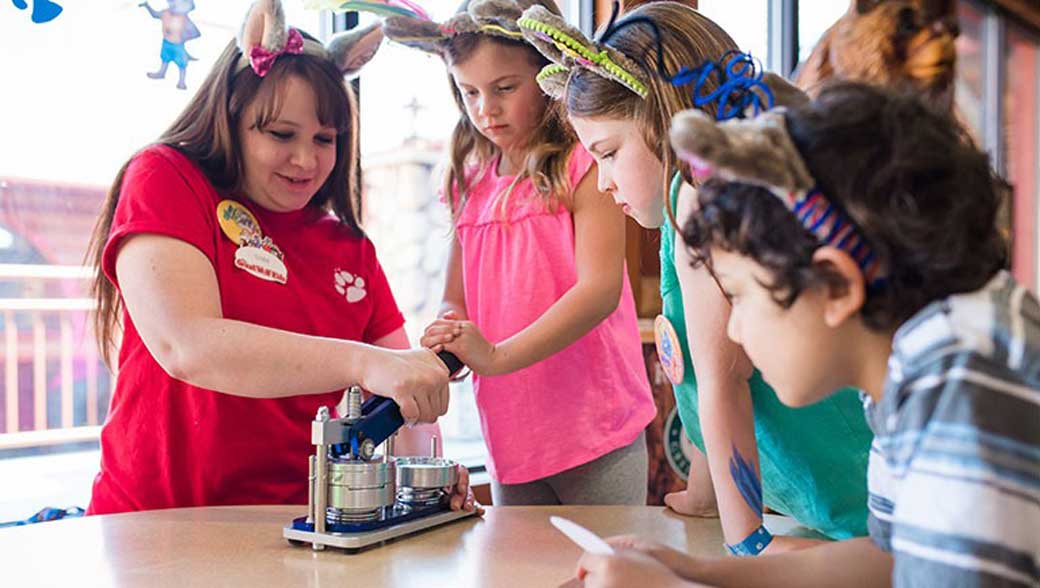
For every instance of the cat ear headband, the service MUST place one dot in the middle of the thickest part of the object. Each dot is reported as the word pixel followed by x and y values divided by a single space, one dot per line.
pixel 760 151
pixel 739 82
pixel 405 22
pixel 264 38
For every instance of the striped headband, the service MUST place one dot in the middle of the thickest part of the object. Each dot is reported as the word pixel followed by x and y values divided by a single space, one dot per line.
pixel 760 151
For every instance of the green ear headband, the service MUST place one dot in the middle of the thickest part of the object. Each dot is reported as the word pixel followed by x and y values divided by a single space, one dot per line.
pixel 567 47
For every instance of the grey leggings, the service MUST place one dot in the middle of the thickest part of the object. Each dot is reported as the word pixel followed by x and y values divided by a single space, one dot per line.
pixel 618 477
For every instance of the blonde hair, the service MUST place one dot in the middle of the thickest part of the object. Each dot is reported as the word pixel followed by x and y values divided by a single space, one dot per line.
pixel 688 38
pixel 548 148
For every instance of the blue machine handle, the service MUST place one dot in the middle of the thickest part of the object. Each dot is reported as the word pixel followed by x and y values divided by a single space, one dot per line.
pixel 381 416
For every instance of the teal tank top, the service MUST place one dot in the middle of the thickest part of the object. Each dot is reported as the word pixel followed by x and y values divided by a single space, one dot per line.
pixel 813 459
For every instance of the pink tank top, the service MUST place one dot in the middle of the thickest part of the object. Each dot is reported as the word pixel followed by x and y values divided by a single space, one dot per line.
pixel 587 400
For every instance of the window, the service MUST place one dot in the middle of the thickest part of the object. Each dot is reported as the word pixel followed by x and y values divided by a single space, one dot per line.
pixel 970 82
pixel 998 72
pixel 408 114
pixel 1021 144
pixel 747 22
pixel 76 105
pixel 814 18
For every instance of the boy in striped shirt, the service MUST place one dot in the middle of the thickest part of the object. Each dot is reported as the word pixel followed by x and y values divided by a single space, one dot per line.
pixel 857 239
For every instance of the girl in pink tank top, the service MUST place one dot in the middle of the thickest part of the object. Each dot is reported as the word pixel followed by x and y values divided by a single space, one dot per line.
pixel 537 302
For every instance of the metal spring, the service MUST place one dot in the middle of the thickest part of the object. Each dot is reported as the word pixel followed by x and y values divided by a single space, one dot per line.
pixel 420 496
pixel 335 516
pixel 354 403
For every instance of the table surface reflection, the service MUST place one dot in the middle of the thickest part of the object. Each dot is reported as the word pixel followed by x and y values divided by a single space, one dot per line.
pixel 243 545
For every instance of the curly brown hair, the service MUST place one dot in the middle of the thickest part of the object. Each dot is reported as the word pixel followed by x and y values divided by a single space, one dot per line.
pixel 908 176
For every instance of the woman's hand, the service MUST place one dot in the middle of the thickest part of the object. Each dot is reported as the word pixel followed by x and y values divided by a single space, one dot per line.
pixel 462 495
pixel 415 379
pixel 465 340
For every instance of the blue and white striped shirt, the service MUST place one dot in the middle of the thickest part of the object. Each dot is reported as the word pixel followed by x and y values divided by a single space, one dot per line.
pixel 954 473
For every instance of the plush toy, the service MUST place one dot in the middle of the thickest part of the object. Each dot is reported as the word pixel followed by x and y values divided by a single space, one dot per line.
pixel 177 29
pixel 42 11
pixel 905 44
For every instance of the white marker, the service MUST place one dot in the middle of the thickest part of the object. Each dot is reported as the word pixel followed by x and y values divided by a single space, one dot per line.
pixel 585 538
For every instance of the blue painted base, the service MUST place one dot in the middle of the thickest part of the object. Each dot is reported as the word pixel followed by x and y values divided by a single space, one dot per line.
pixel 390 516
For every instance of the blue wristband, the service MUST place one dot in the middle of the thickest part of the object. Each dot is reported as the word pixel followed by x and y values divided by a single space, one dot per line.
pixel 753 544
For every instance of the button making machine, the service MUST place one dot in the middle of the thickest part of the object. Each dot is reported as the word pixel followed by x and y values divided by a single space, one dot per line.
pixel 358 498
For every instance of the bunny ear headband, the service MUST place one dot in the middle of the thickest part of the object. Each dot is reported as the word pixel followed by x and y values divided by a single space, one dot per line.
pixel 760 151
pixel 740 84
pixel 407 23
pixel 264 37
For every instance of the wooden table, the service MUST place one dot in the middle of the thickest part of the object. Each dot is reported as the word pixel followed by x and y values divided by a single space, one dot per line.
pixel 243 546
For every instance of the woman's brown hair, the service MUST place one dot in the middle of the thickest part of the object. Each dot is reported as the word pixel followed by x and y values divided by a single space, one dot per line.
pixel 206 132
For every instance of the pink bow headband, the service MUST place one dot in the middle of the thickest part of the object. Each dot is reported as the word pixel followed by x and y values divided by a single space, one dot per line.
pixel 262 59
pixel 264 38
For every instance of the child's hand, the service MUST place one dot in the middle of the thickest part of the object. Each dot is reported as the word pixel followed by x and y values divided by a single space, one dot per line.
pixel 462 495
pixel 679 563
pixel 685 503
pixel 627 567
pixel 464 340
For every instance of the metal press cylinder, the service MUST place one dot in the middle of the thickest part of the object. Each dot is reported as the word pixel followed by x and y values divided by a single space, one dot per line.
pixel 358 488
pixel 421 480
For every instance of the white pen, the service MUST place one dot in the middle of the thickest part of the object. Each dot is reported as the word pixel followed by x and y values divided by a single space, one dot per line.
pixel 585 538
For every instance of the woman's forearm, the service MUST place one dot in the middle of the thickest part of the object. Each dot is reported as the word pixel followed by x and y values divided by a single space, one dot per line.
pixel 210 353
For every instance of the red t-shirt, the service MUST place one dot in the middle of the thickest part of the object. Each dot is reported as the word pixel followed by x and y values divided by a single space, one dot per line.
pixel 167 443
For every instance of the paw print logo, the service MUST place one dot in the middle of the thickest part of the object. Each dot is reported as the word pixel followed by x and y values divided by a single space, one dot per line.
pixel 349 285
pixel 42 11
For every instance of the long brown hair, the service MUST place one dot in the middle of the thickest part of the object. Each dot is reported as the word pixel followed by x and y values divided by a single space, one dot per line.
pixel 207 133
pixel 548 148
pixel 688 39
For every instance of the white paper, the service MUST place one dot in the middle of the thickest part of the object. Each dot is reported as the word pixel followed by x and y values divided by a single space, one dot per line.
pixel 585 538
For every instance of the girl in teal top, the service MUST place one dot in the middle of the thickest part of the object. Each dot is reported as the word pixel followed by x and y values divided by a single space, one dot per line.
pixel 809 463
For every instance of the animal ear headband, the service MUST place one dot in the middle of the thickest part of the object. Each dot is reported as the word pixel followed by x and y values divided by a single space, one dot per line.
pixel 740 84
pixel 407 23
pixel 264 38
pixel 760 151
pixel 567 47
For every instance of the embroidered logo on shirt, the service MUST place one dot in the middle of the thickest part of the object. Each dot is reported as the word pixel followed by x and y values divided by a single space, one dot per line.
pixel 349 285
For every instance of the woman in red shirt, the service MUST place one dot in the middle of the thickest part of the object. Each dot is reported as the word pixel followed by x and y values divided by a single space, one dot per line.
pixel 248 294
